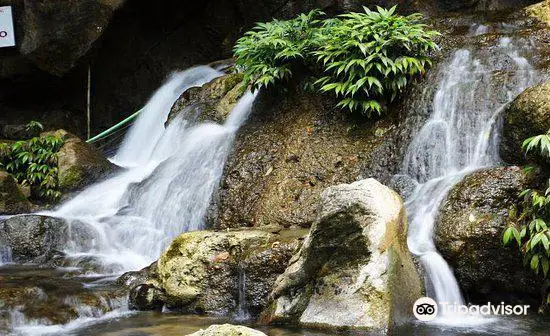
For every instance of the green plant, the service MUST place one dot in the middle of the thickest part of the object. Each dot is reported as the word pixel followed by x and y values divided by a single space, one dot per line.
pixel 269 52
pixel 34 126
pixel 364 59
pixel 33 162
pixel 529 229
pixel 369 57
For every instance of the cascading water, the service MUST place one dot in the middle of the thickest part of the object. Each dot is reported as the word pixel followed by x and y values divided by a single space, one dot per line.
pixel 460 136
pixel 166 190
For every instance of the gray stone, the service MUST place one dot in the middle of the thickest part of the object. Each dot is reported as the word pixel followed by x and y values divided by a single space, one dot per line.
pixel 353 270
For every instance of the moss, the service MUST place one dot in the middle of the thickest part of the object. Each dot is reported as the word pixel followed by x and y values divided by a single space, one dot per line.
pixel 540 11
pixel 71 178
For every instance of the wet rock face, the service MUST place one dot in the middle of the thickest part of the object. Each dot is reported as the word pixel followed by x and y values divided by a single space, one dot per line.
pixel 354 260
pixel 482 5
pixel 293 146
pixel 217 272
pixel 469 232
pixel 146 297
pixel 12 199
pixel 81 165
pixel 214 100
pixel 40 239
pixel 528 115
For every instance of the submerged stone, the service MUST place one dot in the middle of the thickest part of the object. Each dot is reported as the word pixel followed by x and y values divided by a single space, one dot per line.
pixel 227 330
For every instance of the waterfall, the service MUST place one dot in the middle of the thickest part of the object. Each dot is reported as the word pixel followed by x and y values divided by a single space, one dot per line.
pixel 166 189
pixel 139 143
pixel 460 136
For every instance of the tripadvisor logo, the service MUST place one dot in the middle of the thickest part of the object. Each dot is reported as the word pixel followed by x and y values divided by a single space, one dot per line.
pixel 426 309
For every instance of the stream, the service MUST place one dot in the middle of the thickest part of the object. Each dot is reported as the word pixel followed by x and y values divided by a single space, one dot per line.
pixel 171 173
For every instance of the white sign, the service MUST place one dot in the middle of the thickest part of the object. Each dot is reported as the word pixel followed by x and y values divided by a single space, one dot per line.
pixel 7 35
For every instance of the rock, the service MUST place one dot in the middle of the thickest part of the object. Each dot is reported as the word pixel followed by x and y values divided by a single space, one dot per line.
pixel 146 275
pixel 540 11
pixel 146 297
pixel 80 165
pixel 214 100
pixel 55 35
pixel 18 132
pixel 37 239
pixel 227 330
pixel 12 199
pixel 354 260
pixel 48 296
pixel 528 115
pixel 469 232
pixel 293 146
pixel 204 271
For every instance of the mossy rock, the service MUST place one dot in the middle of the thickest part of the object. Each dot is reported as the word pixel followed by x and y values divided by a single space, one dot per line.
pixel 80 164
pixel 469 232
pixel 354 270
pixel 540 11
pixel 12 199
pixel 528 115
pixel 199 272
pixel 214 100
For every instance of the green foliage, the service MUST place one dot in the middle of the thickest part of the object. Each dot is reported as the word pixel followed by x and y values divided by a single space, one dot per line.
pixel 33 162
pixel 369 57
pixel 269 52
pixel 34 126
pixel 364 59
pixel 540 143
pixel 529 229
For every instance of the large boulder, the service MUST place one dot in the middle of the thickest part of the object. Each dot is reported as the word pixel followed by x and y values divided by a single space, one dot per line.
pixel 38 239
pixel 227 330
pixel 12 199
pixel 80 164
pixel 469 232
pixel 54 35
pixel 528 115
pixel 221 272
pixel 354 269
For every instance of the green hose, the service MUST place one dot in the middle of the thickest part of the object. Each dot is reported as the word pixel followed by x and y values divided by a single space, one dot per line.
pixel 113 129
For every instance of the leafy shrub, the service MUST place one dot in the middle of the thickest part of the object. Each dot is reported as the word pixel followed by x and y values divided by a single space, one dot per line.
pixel 269 52
pixel 529 229
pixel 364 59
pixel 34 126
pixel 33 162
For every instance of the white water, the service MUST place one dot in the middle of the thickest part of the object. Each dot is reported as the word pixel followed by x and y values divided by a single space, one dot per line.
pixel 460 136
pixel 167 188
